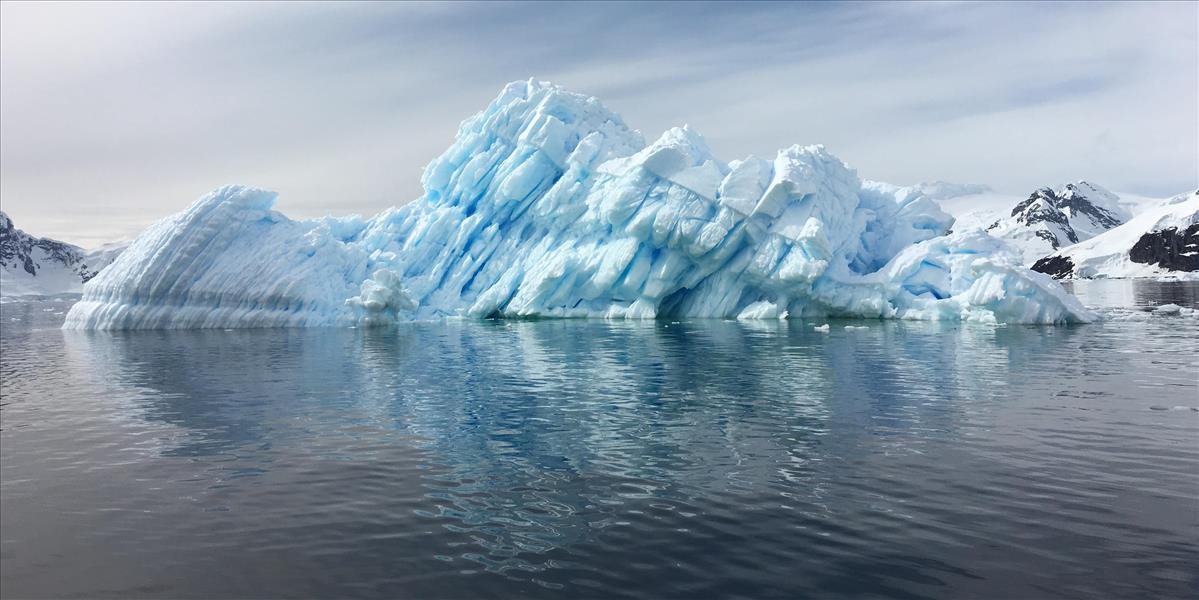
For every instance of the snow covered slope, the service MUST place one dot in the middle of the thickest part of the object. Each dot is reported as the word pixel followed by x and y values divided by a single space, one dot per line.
pixel 950 196
pixel 41 266
pixel 1049 219
pixel 547 204
pixel 1162 240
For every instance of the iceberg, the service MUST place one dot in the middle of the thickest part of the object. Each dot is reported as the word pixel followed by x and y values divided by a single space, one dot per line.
pixel 548 205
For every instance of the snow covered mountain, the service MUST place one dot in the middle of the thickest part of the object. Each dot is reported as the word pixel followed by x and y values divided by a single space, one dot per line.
pixel 1048 220
pixel 42 266
pixel 547 204
pixel 1162 240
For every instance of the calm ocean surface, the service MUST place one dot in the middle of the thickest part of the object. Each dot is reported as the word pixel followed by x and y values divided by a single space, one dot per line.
pixel 572 459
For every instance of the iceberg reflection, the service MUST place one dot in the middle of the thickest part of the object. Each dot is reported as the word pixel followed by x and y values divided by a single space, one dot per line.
pixel 535 435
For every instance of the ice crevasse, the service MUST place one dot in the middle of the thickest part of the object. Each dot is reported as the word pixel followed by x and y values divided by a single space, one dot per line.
pixel 548 205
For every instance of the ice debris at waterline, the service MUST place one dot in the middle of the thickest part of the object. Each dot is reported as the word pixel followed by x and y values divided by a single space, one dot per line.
pixel 548 205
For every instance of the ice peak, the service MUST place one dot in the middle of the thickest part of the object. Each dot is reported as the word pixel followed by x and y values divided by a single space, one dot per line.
pixel 563 128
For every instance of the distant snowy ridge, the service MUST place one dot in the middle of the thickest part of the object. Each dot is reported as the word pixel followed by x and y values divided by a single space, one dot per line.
pixel 943 190
pixel 1161 241
pixel 41 266
pixel 547 204
pixel 1051 219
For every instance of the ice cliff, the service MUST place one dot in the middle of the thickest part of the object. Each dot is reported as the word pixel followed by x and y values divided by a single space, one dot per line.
pixel 548 205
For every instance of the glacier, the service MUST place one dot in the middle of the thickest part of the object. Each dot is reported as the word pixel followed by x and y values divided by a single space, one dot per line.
pixel 548 205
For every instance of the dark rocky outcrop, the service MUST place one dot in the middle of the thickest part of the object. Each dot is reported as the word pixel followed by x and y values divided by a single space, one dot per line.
pixel 1173 248
pixel 1075 202
pixel 1059 267
pixel 1040 212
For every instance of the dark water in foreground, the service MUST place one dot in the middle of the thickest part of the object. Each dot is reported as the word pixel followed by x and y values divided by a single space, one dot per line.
pixel 597 459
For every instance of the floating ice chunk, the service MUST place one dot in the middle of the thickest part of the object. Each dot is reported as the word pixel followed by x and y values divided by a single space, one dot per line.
pixel 1168 309
pixel 821 328
pixel 1122 315
pixel 762 309
pixel 382 299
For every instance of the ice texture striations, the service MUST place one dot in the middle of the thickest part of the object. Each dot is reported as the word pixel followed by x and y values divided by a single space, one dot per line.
pixel 547 205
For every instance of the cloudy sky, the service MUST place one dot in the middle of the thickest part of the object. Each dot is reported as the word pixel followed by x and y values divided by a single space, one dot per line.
pixel 114 115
